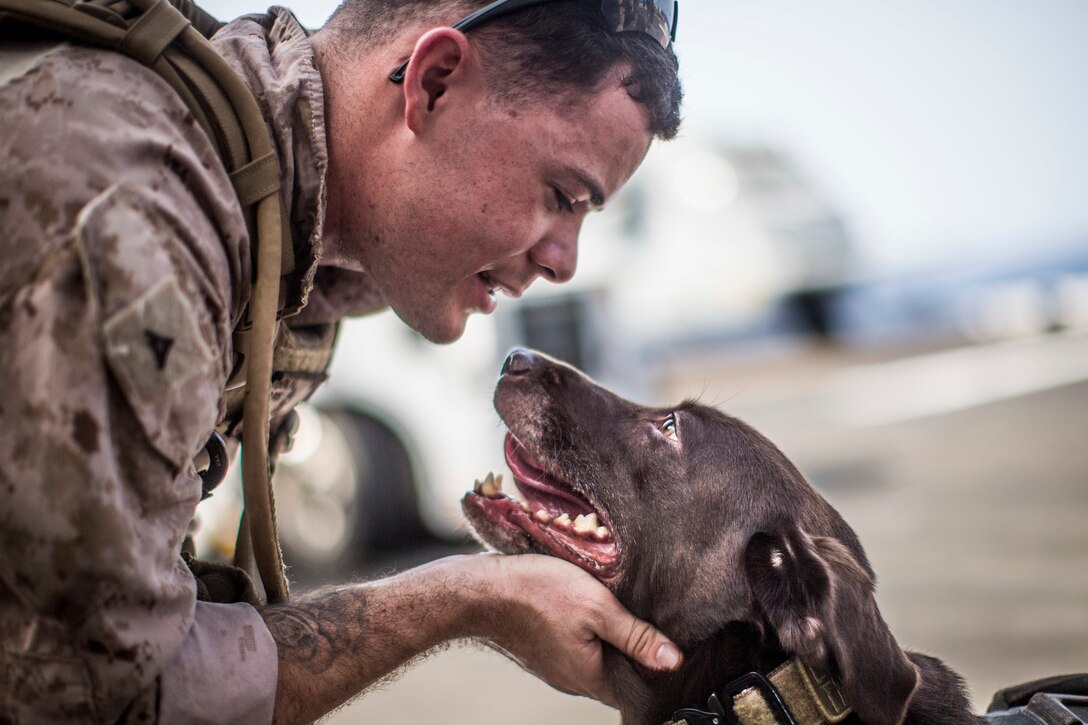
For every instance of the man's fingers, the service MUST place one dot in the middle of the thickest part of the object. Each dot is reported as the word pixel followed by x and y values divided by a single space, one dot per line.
pixel 640 641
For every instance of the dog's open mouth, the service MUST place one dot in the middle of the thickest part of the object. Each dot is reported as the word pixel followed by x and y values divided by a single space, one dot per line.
pixel 552 518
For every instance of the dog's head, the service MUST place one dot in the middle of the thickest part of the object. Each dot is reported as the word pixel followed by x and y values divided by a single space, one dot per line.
pixel 697 523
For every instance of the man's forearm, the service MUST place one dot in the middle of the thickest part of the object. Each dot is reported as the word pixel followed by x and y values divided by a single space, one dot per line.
pixel 334 643
pixel 546 614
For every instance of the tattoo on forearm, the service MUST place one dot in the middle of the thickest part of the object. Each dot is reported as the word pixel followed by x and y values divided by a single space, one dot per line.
pixel 312 631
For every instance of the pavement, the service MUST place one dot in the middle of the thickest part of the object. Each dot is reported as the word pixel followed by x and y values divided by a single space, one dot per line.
pixel 963 470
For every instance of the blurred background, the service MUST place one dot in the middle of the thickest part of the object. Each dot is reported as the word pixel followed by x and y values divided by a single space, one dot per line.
pixel 870 242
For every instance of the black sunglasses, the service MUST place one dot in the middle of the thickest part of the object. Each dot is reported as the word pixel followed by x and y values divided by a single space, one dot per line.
pixel 656 18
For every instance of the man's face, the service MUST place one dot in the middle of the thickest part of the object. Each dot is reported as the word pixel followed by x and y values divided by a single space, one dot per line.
pixel 491 198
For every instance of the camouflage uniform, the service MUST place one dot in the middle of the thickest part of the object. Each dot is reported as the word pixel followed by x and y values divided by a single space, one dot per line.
pixel 126 265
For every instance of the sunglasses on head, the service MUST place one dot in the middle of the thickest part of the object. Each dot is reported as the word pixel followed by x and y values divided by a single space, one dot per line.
pixel 656 18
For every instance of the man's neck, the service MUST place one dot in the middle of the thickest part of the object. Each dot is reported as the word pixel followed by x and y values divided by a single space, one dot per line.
pixel 339 293
pixel 341 286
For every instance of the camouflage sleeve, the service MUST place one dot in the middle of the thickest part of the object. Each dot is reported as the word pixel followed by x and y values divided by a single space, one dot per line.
pixel 225 671
pixel 117 294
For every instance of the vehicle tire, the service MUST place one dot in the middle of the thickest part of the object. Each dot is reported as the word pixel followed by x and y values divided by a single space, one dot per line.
pixel 386 501
pixel 344 495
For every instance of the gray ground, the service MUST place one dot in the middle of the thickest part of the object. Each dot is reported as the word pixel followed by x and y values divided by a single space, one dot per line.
pixel 965 474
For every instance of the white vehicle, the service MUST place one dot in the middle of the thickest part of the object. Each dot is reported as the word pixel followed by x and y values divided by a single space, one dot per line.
pixel 384 451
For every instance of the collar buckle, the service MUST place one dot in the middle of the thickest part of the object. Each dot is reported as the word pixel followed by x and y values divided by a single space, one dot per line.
pixel 770 694
pixel 695 716
pixel 720 709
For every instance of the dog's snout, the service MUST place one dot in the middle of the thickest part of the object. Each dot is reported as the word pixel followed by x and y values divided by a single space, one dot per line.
pixel 518 362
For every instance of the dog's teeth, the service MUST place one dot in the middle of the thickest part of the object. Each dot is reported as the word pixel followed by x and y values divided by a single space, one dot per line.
pixel 542 516
pixel 491 487
pixel 586 524
pixel 478 487
pixel 562 521
pixel 524 505
pixel 601 533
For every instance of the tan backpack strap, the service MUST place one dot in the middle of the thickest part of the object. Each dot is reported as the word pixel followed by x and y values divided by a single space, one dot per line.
pixel 263 308
pixel 153 32
pixel 228 138
pixel 257 179
pixel 256 472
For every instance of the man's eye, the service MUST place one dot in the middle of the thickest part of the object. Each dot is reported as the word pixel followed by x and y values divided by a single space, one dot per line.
pixel 565 204
pixel 668 428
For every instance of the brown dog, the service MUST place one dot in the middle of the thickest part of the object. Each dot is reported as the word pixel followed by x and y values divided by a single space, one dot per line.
pixel 700 525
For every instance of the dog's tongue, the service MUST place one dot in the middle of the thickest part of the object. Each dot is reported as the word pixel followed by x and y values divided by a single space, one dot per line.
pixel 536 484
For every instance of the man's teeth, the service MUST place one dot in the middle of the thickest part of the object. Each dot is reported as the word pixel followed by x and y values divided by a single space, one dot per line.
pixel 491 486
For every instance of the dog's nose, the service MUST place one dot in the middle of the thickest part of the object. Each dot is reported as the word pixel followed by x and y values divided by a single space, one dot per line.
pixel 518 362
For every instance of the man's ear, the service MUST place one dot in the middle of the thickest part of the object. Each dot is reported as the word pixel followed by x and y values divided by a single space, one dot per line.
pixel 820 601
pixel 440 60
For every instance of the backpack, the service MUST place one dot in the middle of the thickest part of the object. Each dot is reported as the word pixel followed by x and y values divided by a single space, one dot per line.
pixel 1059 700
pixel 171 38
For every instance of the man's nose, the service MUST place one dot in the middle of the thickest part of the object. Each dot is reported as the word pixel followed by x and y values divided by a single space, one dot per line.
pixel 557 255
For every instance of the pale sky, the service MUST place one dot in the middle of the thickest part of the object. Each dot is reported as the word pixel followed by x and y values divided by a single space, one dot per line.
pixel 943 130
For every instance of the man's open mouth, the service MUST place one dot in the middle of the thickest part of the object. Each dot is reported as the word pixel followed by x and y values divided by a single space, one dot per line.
pixel 555 518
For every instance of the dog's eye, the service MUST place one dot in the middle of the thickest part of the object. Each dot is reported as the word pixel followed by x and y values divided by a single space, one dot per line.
pixel 668 428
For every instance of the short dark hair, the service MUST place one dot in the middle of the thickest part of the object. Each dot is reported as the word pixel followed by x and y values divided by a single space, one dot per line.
pixel 558 49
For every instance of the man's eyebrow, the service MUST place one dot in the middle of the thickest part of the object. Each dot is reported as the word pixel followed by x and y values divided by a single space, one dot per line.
pixel 596 195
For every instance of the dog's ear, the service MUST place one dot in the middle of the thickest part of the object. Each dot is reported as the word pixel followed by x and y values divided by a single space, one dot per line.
pixel 820 601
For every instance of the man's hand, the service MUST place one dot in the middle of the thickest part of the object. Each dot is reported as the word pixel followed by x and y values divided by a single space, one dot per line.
pixel 549 616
